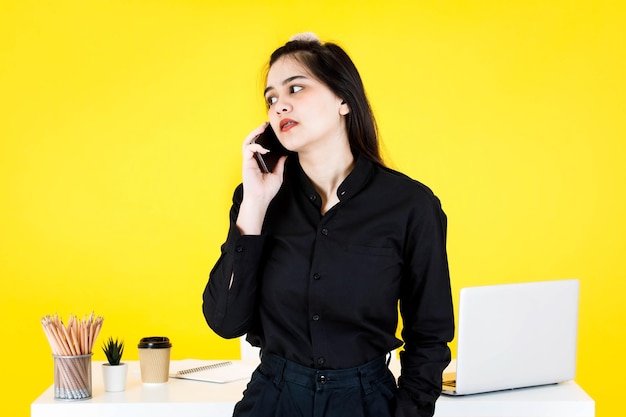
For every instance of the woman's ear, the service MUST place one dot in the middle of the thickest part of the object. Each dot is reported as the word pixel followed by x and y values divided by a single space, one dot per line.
pixel 344 108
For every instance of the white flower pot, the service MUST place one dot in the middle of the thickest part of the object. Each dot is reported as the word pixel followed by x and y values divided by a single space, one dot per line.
pixel 114 377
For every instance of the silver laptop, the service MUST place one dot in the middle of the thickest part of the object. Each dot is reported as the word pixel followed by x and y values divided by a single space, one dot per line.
pixel 514 336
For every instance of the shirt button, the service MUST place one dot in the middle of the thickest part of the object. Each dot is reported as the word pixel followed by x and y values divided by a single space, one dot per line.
pixel 325 232
pixel 321 361
pixel 313 197
pixel 239 248
pixel 315 317
pixel 316 276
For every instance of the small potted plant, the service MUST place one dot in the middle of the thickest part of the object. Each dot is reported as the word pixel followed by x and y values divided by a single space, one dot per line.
pixel 114 372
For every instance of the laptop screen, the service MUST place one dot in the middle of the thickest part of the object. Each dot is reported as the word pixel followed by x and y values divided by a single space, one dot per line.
pixel 516 335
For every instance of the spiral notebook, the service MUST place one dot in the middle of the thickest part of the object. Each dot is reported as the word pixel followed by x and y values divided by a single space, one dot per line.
pixel 219 372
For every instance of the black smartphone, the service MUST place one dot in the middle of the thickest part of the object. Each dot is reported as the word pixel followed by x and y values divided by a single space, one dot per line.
pixel 268 140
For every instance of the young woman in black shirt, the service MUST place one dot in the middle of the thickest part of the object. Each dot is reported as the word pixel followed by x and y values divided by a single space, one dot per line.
pixel 321 251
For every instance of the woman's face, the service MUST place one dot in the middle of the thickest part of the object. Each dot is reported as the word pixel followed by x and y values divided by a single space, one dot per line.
pixel 305 114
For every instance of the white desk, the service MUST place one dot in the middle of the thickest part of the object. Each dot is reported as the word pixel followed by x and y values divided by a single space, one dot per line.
pixel 201 399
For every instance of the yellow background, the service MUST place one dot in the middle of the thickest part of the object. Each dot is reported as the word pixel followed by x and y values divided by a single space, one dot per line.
pixel 120 131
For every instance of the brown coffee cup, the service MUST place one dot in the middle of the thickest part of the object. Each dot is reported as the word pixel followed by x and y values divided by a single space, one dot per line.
pixel 154 359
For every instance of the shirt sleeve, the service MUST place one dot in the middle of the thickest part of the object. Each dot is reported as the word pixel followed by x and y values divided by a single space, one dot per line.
pixel 427 312
pixel 229 298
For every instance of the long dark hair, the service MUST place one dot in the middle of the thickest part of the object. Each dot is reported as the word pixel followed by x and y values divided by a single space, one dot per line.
pixel 330 64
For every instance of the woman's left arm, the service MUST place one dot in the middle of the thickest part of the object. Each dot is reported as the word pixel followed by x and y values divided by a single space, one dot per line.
pixel 427 311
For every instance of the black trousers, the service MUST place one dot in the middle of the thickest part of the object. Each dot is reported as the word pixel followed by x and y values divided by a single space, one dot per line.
pixel 281 388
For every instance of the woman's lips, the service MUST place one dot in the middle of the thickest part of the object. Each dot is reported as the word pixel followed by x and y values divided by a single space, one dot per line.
pixel 287 124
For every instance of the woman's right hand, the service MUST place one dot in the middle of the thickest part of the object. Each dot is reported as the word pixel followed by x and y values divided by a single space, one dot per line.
pixel 259 187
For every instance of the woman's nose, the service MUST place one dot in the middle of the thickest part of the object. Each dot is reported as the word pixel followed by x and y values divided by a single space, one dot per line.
pixel 282 106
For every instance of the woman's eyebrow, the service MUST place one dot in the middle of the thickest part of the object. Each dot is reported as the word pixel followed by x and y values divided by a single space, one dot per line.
pixel 286 81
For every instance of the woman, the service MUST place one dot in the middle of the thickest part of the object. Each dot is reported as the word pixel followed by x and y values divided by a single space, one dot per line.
pixel 320 251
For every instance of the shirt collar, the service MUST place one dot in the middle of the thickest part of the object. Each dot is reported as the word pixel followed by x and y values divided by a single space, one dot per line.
pixel 354 182
pixel 357 178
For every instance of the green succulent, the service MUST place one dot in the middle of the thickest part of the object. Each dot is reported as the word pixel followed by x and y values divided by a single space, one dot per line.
pixel 113 350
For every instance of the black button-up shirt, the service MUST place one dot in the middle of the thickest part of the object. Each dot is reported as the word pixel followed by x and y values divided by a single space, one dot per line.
pixel 323 290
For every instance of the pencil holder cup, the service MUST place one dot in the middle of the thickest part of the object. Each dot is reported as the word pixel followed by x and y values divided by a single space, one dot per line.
pixel 72 377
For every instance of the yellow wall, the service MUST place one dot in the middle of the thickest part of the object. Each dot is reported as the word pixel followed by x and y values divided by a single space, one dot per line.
pixel 120 130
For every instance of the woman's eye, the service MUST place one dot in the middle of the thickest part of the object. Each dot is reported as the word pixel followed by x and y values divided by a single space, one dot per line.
pixel 271 100
pixel 295 88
